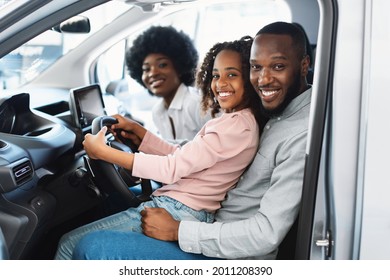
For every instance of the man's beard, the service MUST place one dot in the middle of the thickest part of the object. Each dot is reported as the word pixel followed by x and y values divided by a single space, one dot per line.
pixel 292 92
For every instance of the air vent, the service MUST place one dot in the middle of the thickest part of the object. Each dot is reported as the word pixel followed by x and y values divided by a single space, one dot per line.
pixel 22 172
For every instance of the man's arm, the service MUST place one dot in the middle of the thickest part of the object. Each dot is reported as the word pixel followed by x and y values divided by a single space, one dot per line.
pixel 259 235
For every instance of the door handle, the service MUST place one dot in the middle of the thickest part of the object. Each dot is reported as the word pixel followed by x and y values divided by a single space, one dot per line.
pixel 326 243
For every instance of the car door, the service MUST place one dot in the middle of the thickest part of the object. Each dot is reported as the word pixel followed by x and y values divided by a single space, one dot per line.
pixel 345 212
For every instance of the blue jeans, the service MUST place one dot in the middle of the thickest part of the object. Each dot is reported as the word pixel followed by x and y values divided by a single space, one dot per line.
pixel 120 245
pixel 128 221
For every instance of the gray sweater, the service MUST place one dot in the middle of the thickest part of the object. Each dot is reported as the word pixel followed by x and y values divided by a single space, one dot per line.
pixel 258 213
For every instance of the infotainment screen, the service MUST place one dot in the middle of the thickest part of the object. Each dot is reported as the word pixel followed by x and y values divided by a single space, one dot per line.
pixel 86 103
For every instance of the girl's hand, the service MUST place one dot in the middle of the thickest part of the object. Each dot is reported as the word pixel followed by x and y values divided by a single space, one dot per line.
pixel 96 148
pixel 95 145
pixel 129 129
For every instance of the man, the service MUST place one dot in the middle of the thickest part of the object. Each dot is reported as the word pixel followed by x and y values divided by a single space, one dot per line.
pixel 258 213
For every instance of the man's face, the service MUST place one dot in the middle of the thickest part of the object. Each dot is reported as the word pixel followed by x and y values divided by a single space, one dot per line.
pixel 276 72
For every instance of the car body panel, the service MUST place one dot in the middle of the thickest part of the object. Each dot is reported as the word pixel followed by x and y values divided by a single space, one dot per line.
pixel 346 187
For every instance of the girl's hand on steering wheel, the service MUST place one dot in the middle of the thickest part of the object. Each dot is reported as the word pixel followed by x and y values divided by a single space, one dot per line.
pixel 95 145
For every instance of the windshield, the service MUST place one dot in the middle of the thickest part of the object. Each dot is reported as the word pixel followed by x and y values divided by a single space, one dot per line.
pixel 4 2
pixel 29 60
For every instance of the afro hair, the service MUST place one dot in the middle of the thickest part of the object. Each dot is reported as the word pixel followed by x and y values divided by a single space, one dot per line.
pixel 168 41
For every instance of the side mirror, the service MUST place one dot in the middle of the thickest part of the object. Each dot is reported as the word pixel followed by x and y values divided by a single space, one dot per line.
pixel 76 24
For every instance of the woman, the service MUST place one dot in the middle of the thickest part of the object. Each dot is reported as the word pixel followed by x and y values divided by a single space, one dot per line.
pixel 164 61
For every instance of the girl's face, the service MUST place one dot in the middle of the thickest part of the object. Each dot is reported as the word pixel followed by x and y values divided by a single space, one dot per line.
pixel 160 77
pixel 227 82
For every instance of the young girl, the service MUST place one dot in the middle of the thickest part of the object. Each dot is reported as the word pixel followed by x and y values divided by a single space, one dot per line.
pixel 198 174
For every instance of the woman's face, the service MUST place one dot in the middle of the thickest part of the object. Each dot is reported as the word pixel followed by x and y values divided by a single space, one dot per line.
pixel 160 76
pixel 227 83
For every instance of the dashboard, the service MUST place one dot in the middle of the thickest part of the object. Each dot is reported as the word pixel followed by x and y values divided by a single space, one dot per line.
pixel 40 152
pixel 38 134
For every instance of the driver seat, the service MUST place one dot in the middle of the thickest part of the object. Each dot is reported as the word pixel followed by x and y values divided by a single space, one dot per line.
pixel 287 247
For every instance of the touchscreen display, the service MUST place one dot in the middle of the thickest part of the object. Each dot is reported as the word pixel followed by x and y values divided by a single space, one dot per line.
pixel 87 103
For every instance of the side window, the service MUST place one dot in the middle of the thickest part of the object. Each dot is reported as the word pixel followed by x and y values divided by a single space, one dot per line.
pixel 231 21
pixel 110 65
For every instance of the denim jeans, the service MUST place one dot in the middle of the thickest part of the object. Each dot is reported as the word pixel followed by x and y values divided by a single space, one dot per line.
pixel 128 221
pixel 120 245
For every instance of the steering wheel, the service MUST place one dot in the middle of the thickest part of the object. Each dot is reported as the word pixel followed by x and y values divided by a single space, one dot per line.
pixel 110 177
